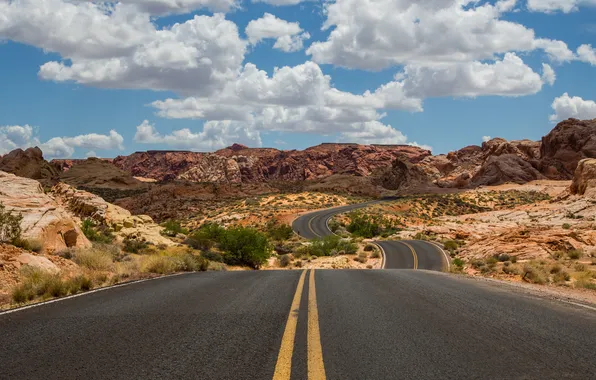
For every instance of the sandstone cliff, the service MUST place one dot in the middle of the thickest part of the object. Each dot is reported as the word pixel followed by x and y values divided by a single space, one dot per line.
pixel 584 180
pixel 44 220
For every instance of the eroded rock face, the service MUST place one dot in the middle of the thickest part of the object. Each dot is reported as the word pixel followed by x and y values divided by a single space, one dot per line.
pixel 402 175
pixel 584 180
pixel 505 168
pixel 86 205
pixel 569 142
pixel 29 164
pixel 241 164
pixel 43 218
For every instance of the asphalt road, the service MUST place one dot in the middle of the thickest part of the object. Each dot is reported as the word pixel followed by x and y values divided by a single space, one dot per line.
pixel 391 324
pixel 410 254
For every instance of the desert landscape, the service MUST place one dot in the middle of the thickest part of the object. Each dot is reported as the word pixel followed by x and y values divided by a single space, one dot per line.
pixel 521 211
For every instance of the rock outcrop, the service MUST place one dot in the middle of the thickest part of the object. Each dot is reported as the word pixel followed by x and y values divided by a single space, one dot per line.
pixel 97 173
pixel 511 168
pixel 44 220
pixel 402 175
pixel 584 180
pixel 86 205
pixel 241 164
pixel 569 142
pixel 29 164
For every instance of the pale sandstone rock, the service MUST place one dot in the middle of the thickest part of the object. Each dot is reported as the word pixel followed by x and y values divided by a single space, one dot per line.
pixel 86 205
pixel 43 218
pixel 38 262
pixel 584 180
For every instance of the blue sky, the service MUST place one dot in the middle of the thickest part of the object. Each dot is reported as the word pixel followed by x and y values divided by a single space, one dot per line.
pixel 482 80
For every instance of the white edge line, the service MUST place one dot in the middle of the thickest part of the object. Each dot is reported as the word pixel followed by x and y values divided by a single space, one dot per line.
pixel 10 311
pixel 447 260
pixel 384 256
pixel 579 304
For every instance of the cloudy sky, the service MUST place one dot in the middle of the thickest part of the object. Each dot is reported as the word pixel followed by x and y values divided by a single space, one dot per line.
pixel 82 78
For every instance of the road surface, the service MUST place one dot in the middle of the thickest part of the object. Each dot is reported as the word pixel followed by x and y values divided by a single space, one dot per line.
pixel 326 324
pixel 409 254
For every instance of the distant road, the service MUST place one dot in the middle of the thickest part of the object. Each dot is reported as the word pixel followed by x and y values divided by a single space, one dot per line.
pixel 409 254
pixel 323 324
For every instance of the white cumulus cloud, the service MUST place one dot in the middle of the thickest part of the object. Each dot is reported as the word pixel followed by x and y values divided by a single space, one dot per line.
pixel 289 36
pixel 586 53
pixel 375 34
pixel 13 137
pixel 215 135
pixel 566 107
pixel 565 6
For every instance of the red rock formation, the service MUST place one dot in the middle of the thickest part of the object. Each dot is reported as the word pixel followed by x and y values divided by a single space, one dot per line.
pixel 571 141
pixel 241 164
pixel 29 164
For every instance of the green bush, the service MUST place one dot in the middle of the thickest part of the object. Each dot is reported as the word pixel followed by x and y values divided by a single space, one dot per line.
pixel 566 226
pixel 279 232
pixel 575 254
pixel 97 233
pixel 133 245
pixel 33 245
pixel 458 262
pixel 173 228
pixel 10 225
pixel 205 237
pixel 213 256
pixel 451 245
pixel 326 245
pixel 244 246
pixel 193 263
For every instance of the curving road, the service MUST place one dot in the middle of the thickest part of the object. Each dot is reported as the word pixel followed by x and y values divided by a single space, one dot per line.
pixel 402 254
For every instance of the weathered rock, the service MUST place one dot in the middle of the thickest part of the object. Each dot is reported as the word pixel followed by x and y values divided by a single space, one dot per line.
pixel 38 262
pixel 505 168
pixel 401 176
pixel 584 180
pixel 241 164
pixel 29 164
pixel 569 142
pixel 86 205
pixel 96 173
pixel 43 218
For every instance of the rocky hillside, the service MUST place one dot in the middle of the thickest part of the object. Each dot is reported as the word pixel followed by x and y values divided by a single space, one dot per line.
pixel 30 164
pixel 238 163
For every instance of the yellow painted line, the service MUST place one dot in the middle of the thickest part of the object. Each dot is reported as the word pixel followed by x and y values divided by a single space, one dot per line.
pixel 413 253
pixel 316 367
pixel 283 368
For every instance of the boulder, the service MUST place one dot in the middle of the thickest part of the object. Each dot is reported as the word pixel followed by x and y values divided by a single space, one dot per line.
pixel 584 180
pixel 38 262
pixel 505 168
pixel 44 219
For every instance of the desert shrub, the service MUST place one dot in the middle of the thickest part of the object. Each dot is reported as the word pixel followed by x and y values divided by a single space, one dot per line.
pixel 244 246
pixel 10 225
pixel 134 245
pixel 298 264
pixel 375 254
pixel 38 283
pixel 333 225
pixel 575 254
pixel 451 245
pixel 561 276
pixel 97 232
pixel 556 269
pixel 279 232
pixel 159 264
pixel 95 258
pixel 514 259
pixel 173 228
pixel 503 257
pixel 533 274
pixel 363 225
pixel 205 237
pixel 326 245
pixel 510 269
pixel 33 245
pixel 213 256
pixel 566 226
pixel 362 258
pixel 284 261
pixel 579 267
pixel 458 262
pixel 369 248
pixel 192 263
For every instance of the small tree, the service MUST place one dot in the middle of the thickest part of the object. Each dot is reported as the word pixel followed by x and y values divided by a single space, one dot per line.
pixel 245 246
pixel 279 232
pixel 10 225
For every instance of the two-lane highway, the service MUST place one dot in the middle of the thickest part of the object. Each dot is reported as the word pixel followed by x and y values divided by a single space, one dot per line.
pixel 296 324
pixel 408 254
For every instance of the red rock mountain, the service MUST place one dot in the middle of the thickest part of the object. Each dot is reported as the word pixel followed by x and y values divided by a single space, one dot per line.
pixel 241 164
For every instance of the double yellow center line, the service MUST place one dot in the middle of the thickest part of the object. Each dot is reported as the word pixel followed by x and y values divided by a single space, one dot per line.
pixel 315 365
pixel 414 255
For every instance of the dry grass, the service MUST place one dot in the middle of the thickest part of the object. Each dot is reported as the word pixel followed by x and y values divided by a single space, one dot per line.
pixel 96 258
